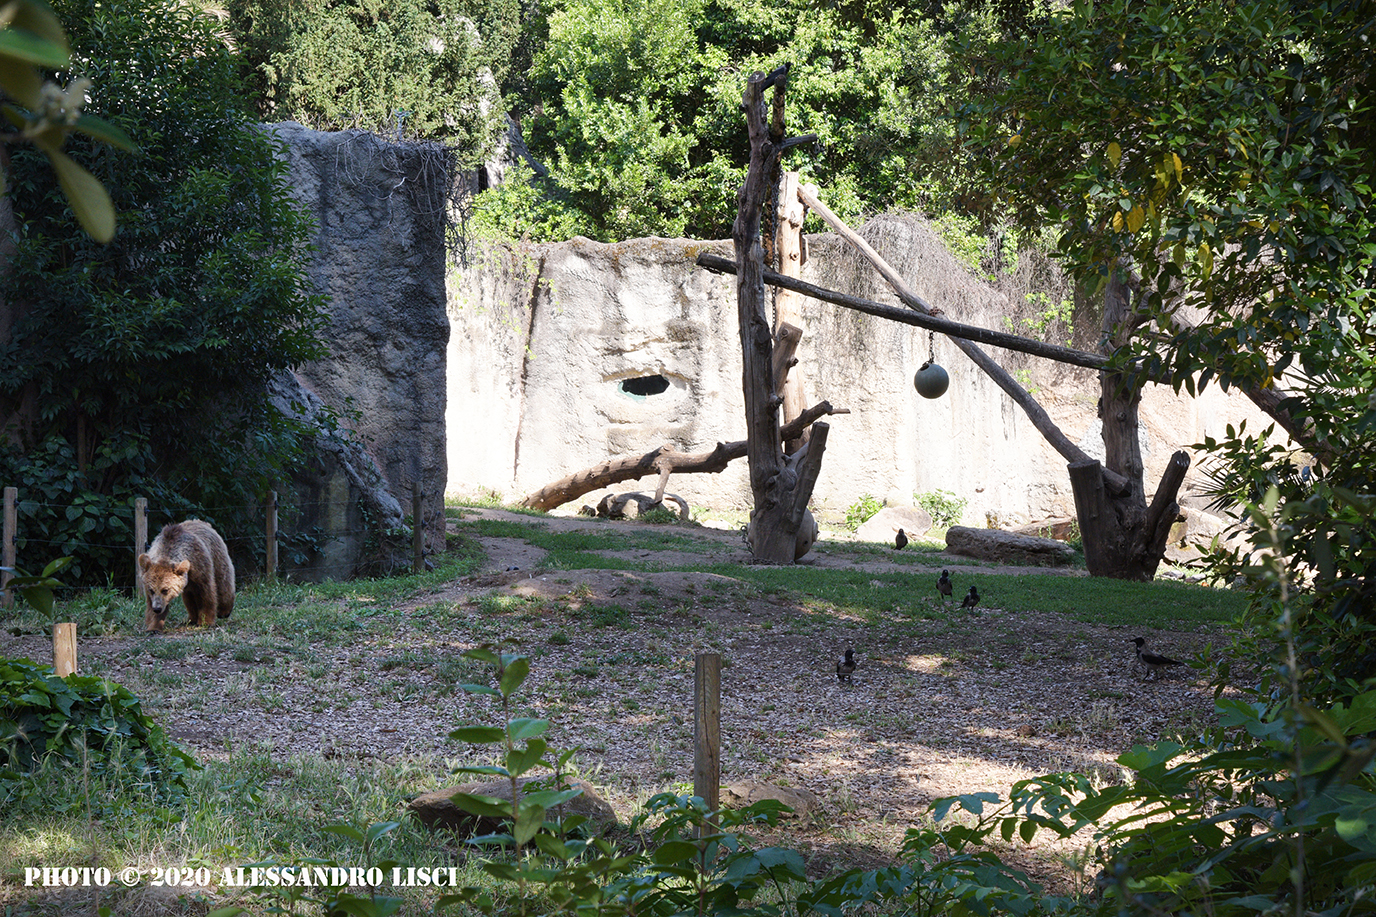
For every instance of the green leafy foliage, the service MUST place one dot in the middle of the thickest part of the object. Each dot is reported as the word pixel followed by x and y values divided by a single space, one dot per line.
pixel 31 38
pixel 860 512
pixel 1219 157
pixel 81 723
pixel 1319 558
pixel 634 107
pixel 1269 809
pixel 120 354
pixel 422 69
pixel 37 590
pixel 945 508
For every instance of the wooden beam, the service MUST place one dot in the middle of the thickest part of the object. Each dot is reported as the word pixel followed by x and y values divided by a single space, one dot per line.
pixel 944 326
pixel 662 461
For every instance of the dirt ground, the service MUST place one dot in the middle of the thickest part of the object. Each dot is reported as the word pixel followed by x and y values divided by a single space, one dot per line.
pixel 968 700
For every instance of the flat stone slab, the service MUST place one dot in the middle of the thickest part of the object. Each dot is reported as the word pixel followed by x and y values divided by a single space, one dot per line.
pixel 746 793
pixel 1008 547
pixel 436 810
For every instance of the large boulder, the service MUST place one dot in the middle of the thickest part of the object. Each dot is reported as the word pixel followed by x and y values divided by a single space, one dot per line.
pixel 436 810
pixel 1002 547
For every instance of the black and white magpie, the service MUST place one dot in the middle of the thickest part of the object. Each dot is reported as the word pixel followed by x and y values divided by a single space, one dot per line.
pixel 1154 662
pixel 971 598
pixel 943 584
pixel 846 666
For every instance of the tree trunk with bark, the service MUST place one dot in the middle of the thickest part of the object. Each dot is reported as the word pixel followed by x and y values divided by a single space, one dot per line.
pixel 781 485
pixel 1123 537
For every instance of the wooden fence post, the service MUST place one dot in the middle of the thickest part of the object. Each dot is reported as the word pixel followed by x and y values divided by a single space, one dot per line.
pixel 140 540
pixel 7 537
pixel 417 532
pixel 707 730
pixel 270 567
pixel 64 649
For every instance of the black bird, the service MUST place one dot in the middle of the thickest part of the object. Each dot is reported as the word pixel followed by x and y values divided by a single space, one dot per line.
pixel 1153 661
pixel 971 598
pixel 943 584
pixel 844 667
pixel 901 541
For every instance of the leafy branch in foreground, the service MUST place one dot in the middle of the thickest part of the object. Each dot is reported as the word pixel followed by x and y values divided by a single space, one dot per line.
pixel 31 38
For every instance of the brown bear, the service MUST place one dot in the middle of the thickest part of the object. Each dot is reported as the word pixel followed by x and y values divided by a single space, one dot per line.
pixel 187 559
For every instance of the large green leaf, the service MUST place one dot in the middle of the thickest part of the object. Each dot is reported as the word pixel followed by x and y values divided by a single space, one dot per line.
pixel 29 48
pixel 88 197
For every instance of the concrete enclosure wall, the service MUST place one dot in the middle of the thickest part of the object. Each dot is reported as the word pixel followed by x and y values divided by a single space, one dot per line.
pixel 545 337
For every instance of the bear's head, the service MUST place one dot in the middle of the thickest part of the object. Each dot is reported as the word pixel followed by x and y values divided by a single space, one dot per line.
pixel 162 582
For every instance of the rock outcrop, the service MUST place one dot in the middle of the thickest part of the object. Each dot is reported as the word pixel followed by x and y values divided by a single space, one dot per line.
pixel 379 210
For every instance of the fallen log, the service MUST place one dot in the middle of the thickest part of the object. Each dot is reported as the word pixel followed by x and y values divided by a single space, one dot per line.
pixel 663 461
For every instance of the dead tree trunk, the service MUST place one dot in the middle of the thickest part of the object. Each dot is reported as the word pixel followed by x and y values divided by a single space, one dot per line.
pixel 781 486
pixel 664 461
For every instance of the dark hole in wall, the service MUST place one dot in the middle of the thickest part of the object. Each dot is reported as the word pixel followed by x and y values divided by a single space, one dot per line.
pixel 645 385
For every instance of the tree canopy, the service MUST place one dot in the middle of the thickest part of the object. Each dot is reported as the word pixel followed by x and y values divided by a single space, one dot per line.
pixel 1217 157
pixel 634 108
pixel 411 67
pixel 116 355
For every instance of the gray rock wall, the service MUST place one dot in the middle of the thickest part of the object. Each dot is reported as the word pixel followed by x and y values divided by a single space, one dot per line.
pixel 544 335
pixel 379 209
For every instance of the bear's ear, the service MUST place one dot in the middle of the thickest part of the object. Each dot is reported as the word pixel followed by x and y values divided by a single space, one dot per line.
pixel 181 568
pixel 145 562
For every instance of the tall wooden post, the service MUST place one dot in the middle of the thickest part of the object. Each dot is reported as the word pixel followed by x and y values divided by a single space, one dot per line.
pixel 140 539
pixel 7 536
pixel 707 729
pixel 270 511
pixel 417 531
pixel 64 649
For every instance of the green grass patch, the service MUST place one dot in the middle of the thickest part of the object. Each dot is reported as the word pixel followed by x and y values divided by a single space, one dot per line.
pixel 574 550
pixel 889 596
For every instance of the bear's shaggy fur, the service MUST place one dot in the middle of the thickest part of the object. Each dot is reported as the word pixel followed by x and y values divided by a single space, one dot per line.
pixel 187 559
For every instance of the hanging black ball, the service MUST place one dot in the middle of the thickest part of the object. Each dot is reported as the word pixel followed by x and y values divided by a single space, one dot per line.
pixel 931 380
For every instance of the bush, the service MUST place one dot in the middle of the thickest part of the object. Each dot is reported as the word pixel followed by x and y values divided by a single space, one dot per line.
pixel 944 507
pixel 424 68
pixel 81 723
pixel 861 511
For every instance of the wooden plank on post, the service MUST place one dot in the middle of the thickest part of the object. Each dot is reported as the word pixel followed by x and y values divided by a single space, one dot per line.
pixel 788 312
pixel 270 564
pixel 64 649
pixel 707 729
pixel 417 531
pixel 7 538
pixel 140 539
